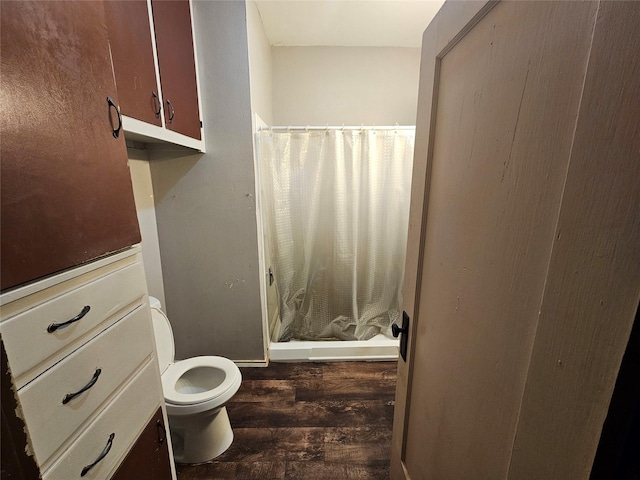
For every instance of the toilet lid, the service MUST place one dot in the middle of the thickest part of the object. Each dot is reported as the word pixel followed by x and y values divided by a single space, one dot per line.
pixel 223 391
pixel 163 334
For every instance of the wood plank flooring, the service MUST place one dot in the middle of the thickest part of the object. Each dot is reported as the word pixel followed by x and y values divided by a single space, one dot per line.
pixel 308 421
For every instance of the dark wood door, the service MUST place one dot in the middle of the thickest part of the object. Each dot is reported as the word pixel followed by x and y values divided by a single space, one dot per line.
pixel 172 21
pixel 66 194
pixel 133 59
pixel 148 459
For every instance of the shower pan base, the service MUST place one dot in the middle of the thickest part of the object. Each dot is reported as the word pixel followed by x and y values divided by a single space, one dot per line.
pixel 380 348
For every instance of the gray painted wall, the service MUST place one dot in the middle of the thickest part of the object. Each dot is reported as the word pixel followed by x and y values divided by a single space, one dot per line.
pixel 205 203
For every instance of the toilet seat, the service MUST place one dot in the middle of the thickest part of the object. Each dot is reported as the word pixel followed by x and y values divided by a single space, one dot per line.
pixel 207 391
pixel 221 393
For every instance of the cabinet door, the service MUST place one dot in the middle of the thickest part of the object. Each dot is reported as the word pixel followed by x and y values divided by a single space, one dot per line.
pixel 149 456
pixel 66 194
pixel 133 59
pixel 172 22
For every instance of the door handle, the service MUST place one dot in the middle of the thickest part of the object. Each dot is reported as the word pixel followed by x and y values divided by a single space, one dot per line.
pixel 396 331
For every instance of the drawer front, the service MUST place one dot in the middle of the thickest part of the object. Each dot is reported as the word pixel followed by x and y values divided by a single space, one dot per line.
pixel 108 297
pixel 124 417
pixel 117 353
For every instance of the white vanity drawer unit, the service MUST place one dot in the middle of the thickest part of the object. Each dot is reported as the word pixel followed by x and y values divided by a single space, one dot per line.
pixel 81 353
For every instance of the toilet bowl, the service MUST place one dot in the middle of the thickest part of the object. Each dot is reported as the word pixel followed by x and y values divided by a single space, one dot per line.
pixel 195 393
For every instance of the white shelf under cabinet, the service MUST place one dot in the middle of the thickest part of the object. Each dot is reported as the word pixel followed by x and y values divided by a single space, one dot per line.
pixel 143 132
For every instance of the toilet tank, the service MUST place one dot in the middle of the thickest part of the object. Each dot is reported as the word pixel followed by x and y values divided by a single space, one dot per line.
pixel 155 303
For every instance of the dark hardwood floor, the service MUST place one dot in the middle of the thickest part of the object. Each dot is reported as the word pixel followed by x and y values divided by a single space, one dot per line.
pixel 308 421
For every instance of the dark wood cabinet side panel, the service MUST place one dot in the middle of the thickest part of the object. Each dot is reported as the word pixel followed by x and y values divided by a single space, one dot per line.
pixel 132 54
pixel 66 194
pixel 148 459
pixel 172 21
pixel 16 464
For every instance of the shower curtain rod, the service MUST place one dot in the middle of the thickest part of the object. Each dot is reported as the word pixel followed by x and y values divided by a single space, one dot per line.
pixel 336 127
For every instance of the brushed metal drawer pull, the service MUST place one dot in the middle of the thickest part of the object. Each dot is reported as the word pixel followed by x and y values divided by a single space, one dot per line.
pixel 86 469
pixel 55 326
pixel 70 396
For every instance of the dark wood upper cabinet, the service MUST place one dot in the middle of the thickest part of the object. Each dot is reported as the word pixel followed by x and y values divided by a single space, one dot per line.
pixel 148 459
pixel 66 194
pixel 133 59
pixel 174 42
pixel 156 84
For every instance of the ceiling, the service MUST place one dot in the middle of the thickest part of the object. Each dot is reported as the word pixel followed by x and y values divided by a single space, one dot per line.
pixel 358 23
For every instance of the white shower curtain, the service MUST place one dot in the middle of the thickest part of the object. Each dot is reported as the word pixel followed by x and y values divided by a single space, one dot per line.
pixel 337 206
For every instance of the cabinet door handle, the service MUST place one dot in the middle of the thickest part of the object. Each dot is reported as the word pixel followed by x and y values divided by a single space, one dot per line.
pixel 162 433
pixel 86 469
pixel 70 396
pixel 171 110
pixel 156 104
pixel 116 131
pixel 55 326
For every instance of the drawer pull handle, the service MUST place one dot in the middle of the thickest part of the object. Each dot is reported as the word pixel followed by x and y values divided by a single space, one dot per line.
pixel 70 396
pixel 86 469
pixel 55 326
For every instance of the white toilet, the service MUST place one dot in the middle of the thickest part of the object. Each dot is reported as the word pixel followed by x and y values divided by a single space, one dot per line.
pixel 195 392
